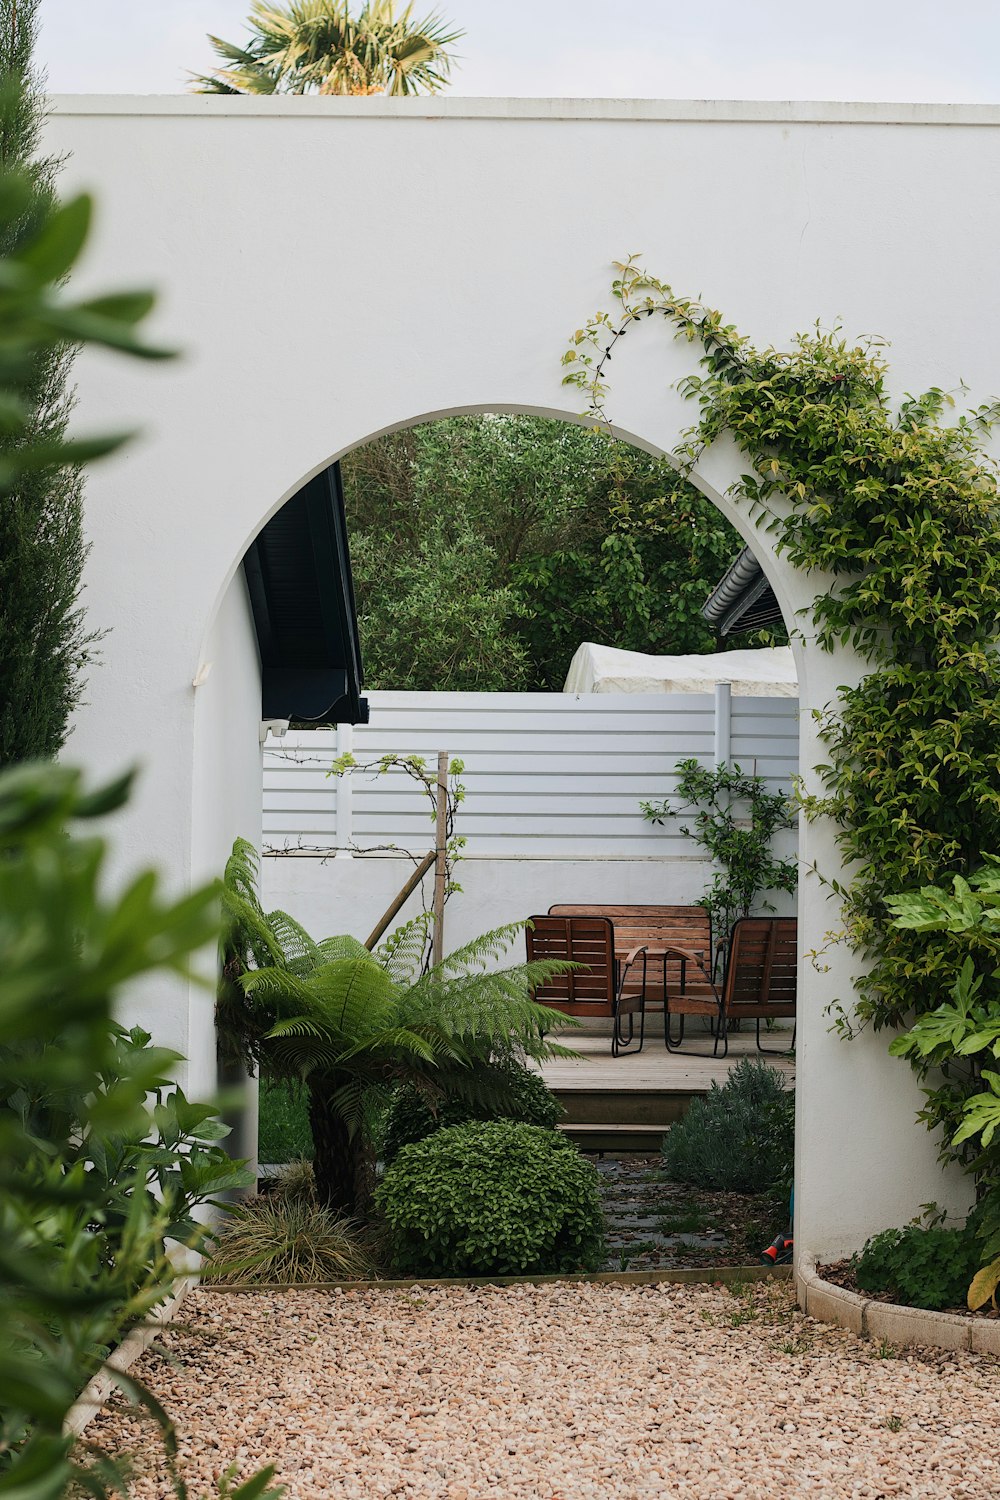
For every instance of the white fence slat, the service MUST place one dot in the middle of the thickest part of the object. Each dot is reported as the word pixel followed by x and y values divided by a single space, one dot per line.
pixel 545 773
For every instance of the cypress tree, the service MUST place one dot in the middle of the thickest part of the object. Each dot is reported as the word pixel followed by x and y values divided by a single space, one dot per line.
pixel 44 643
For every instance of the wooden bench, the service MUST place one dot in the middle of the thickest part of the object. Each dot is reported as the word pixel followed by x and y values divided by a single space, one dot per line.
pixel 760 983
pixel 604 981
pixel 684 930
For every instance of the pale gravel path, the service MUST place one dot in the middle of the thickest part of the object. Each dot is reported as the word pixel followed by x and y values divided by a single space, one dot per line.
pixel 562 1393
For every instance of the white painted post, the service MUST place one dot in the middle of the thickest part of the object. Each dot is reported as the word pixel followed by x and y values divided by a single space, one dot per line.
pixel 723 721
pixel 441 847
pixel 345 789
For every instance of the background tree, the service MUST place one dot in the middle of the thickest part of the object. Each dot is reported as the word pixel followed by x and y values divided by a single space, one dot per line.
pixel 485 549
pixel 318 47
pixel 44 642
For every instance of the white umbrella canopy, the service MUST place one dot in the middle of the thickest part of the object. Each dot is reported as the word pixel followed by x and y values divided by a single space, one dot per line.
pixel 765 673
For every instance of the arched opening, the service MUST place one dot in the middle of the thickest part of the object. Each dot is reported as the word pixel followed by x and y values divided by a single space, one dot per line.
pixel 294 538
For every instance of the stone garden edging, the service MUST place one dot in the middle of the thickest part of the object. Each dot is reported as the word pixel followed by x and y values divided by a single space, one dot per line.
pixel 97 1390
pixel 682 1276
pixel 891 1321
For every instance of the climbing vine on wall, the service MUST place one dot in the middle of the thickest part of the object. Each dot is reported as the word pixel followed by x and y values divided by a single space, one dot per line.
pixel 900 504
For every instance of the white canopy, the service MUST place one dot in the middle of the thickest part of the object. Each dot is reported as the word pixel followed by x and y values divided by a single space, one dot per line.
pixel 765 673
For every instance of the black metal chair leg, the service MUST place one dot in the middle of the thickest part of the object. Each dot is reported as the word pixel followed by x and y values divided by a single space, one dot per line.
pixel 672 1046
pixel 620 1043
pixel 775 1051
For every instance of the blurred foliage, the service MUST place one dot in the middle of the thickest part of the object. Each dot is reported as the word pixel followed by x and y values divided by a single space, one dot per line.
pixel 485 549
pixel 101 1160
pixel 92 1180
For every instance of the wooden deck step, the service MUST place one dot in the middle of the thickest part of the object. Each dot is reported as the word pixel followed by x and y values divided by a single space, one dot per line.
pixel 645 1138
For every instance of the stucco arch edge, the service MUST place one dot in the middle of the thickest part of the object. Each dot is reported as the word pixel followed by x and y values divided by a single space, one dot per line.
pixel 715 477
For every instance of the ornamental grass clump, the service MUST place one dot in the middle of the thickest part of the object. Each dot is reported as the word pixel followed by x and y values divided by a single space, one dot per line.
pixel 504 1090
pixel 740 1138
pixel 287 1238
pixel 493 1198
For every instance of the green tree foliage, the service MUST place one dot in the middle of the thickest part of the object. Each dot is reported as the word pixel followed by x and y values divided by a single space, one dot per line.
pixel 486 549
pixel 493 1198
pixel 353 1024
pixel 44 642
pixel 318 47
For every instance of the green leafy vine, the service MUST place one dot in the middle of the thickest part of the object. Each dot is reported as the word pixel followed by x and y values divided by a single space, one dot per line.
pixel 898 502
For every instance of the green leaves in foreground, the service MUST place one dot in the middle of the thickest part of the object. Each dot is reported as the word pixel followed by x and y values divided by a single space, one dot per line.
pixel 102 1158
pixel 36 315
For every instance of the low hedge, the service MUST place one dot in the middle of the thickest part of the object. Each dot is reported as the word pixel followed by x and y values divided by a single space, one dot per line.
pixel 493 1198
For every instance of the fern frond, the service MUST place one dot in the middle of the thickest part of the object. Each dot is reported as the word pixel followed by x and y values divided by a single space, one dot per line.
pixel 402 953
pixel 300 951
pixel 332 948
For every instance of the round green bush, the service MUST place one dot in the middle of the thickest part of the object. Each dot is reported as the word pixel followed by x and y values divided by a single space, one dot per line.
pixel 920 1266
pixel 492 1198
pixel 507 1090
pixel 739 1138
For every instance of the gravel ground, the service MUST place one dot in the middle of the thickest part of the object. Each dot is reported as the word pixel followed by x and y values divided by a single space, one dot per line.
pixel 559 1393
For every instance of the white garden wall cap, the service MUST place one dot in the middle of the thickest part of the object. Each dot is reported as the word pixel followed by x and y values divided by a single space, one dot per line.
pixel 642 111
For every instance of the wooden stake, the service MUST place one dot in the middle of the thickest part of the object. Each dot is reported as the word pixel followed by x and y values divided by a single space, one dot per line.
pixel 440 867
pixel 400 900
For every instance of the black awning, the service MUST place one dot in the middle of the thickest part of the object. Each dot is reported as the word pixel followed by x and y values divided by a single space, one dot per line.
pixel 298 572
pixel 743 599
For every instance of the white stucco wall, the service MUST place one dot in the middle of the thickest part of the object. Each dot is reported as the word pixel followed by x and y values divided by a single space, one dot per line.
pixel 335 268
pixel 226 794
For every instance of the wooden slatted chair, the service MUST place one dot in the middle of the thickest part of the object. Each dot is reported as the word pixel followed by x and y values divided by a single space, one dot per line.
pixel 760 983
pixel 602 985
pixel 666 932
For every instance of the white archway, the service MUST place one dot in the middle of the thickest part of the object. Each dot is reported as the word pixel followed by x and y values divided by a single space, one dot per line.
pixel 423 259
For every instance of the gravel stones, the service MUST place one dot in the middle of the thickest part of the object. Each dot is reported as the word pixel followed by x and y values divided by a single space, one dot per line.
pixel 561 1392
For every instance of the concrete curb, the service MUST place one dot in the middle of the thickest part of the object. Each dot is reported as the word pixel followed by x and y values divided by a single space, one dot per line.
pixel 684 1276
pixel 94 1394
pixel 889 1321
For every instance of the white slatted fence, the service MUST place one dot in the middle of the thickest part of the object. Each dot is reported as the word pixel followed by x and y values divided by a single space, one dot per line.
pixel 547 775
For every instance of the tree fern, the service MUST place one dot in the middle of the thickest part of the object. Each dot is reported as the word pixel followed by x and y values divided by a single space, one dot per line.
pixel 350 1024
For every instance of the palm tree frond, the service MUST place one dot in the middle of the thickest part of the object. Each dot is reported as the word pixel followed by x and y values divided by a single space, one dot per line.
pixel 317 46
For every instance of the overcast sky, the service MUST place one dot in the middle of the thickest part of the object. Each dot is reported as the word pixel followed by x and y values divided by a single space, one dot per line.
pixel 898 50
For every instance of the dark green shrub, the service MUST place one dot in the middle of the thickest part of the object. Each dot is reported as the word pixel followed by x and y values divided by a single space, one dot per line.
pixel 504 1090
pixel 283 1133
pixel 740 1138
pixel 921 1267
pixel 492 1198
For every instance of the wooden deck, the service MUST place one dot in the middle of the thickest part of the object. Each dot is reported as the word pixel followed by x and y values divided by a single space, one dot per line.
pixel 628 1102
pixel 689 1072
